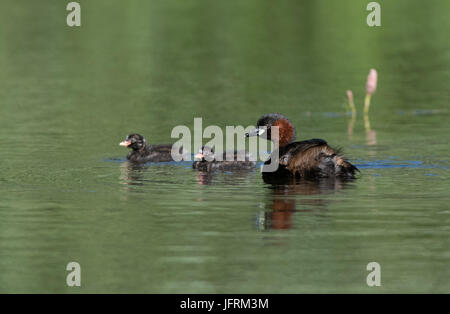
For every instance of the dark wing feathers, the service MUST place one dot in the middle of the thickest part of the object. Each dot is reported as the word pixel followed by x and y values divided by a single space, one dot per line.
pixel 314 158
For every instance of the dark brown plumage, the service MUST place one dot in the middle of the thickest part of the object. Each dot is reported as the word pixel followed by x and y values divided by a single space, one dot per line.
pixel 141 152
pixel 306 159
pixel 206 161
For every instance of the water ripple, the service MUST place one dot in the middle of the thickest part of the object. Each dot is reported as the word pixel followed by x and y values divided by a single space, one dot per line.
pixel 381 164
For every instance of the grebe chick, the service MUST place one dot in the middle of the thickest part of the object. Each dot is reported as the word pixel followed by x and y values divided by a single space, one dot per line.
pixel 141 152
pixel 205 160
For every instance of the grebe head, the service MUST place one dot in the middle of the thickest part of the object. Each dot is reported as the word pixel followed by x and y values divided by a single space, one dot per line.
pixel 205 153
pixel 134 141
pixel 286 131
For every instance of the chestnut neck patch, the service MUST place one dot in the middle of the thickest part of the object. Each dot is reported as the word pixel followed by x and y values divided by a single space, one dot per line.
pixel 285 130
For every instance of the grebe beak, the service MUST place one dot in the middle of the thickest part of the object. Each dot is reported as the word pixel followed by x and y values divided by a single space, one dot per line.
pixel 125 143
pixel 199 157
pixel 255 132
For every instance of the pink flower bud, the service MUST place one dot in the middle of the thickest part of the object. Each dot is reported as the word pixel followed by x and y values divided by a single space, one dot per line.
pixel 350 96
pixel 371 85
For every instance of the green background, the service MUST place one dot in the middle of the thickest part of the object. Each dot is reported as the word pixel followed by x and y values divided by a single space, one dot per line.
pixel 69 95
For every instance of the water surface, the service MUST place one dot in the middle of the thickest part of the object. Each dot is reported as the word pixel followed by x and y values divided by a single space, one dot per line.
pixel 69 96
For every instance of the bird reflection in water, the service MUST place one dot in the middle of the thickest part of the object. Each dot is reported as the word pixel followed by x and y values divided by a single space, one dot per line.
pixel 132 173
pixel 131 176
pixel 223 177
pixel 284 200
pixel 204 178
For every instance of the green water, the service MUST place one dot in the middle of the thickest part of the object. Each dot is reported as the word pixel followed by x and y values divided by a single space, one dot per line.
pixel 68 96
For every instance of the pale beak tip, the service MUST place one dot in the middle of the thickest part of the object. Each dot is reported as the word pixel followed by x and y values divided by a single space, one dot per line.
pixel 198 157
